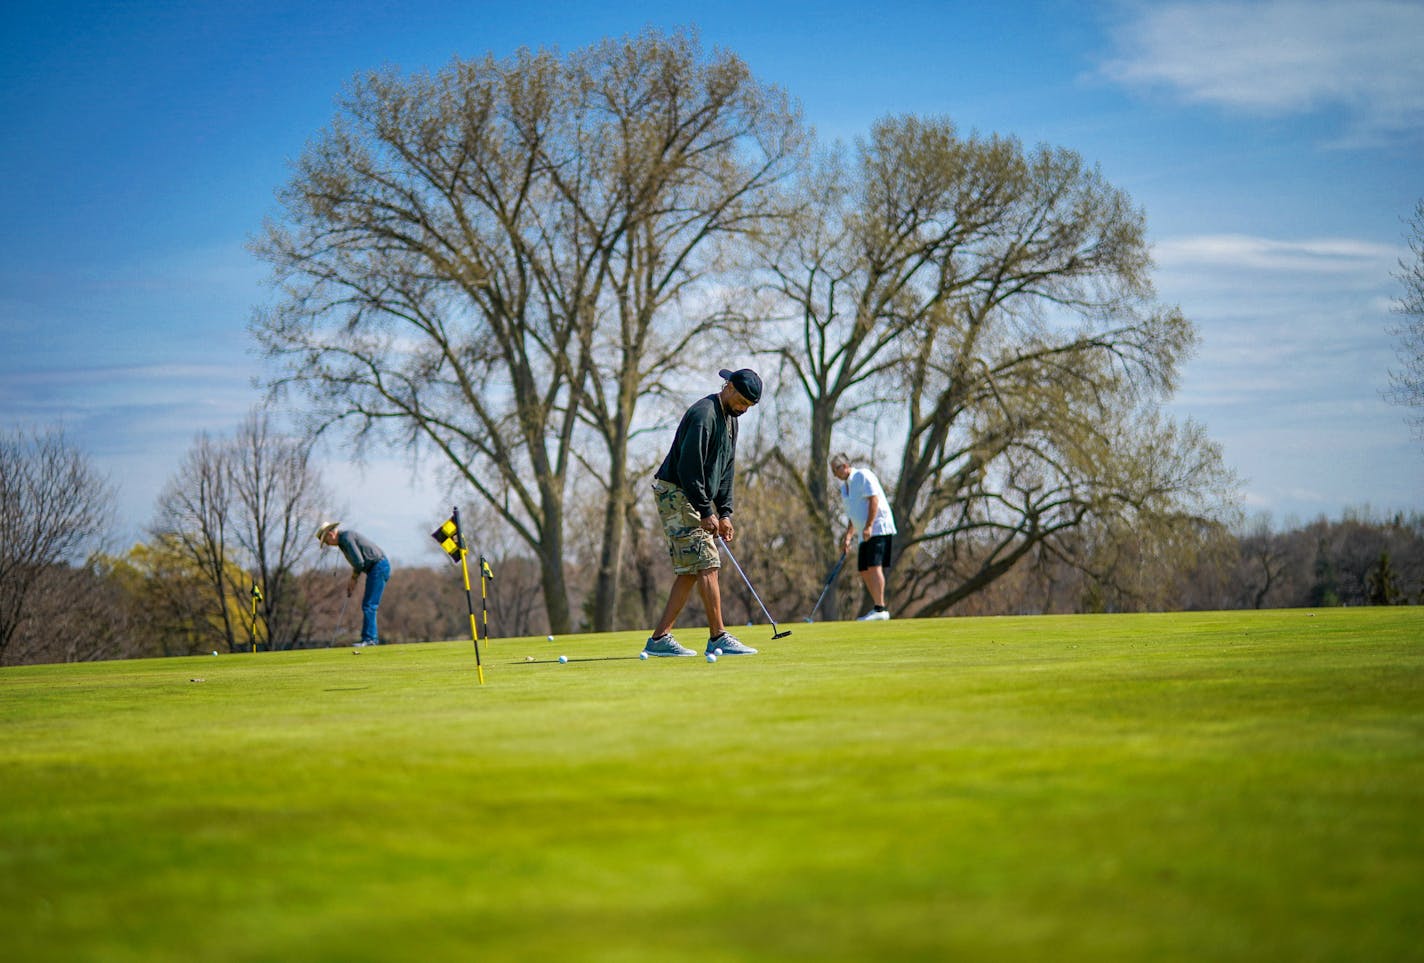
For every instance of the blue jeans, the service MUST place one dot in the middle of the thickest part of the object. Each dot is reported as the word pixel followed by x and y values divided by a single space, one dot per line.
pixel 376 579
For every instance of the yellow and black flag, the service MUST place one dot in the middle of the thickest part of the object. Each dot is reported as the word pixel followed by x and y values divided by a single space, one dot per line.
pixel 452 541
pixel 448 536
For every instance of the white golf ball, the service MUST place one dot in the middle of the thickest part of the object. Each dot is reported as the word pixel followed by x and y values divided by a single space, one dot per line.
pixel 643 656
pixel 563 658
pixel 716 651
pixel 551 638
pixel 711 657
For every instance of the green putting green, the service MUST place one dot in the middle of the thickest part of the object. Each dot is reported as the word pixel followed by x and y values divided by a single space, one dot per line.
pixel 1205 786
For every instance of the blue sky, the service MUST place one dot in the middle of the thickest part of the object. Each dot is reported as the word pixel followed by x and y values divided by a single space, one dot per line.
pixel 1276 147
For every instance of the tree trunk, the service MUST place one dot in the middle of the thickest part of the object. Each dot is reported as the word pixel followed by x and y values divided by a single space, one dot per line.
pixel 610 560
pixel 551 578
pixel 825 502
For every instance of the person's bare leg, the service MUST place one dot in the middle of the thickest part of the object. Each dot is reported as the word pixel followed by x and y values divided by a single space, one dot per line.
pixel 875 584
pixel 711 591
pixel 677 598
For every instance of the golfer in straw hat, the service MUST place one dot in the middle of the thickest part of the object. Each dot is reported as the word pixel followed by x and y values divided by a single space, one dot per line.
pixel 365 558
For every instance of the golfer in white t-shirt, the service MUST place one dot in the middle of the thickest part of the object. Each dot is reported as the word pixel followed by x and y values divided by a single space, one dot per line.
pixel 871 519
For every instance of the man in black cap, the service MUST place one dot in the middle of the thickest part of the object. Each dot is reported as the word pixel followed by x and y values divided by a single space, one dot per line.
pixel 693 488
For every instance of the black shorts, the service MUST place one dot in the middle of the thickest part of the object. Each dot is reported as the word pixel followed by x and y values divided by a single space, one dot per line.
pixel 875 551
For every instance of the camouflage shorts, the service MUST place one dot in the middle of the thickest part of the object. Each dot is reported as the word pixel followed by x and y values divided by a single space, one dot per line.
pixel 692 549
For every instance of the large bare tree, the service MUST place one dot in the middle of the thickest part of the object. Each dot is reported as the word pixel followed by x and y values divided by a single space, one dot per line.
pixel 238 513
pixel 867 272
pixel 997 302
pixel 278 493
pixel 481 262
pixel 54 509
pixel 194 522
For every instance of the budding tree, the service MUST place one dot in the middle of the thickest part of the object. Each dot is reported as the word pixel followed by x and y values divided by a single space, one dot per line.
pixel 995 303
pixel 54 508
pixel 497 262
pixel 237 514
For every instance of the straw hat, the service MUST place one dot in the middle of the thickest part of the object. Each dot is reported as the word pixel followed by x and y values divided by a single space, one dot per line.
pixel 325 527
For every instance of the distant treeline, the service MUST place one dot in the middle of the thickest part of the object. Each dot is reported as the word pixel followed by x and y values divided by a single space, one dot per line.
pixel 98 611
pixel 1354 561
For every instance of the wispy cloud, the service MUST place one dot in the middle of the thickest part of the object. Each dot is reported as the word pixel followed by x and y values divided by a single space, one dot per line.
pixel 110 408
pixel 1293 355
pixel 1283 57
pixel 1336 256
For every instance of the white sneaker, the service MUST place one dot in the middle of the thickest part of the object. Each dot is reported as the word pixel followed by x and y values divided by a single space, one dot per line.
pixel 874 616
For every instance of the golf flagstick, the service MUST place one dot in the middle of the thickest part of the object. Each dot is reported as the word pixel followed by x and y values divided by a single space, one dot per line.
pixel 775 634
pixel 256 597
pixel 486 578
pixel 452 541
pixel 830 580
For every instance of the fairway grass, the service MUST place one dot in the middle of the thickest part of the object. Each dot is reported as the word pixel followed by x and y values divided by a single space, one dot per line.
pixel 1206 786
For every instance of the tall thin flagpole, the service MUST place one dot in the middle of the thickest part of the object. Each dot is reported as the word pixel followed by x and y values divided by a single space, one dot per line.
pixel 469 596
pixel 486 573
pixel 452 542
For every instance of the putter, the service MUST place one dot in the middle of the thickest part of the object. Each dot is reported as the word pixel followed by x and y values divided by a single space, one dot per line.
pixel 830 580
pixel 775 634
pixel 340 621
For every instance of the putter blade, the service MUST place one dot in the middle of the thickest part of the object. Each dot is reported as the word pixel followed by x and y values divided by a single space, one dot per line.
pixel 782 635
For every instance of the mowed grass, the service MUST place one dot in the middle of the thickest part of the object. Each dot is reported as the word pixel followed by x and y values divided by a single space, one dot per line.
pixel 1222 786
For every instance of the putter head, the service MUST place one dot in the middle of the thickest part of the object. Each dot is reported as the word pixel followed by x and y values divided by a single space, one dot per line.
pixel 781 635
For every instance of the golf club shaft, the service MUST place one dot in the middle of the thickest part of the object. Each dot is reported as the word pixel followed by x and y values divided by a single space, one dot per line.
pixel 341 619
pixel 749 583
pixel 830 580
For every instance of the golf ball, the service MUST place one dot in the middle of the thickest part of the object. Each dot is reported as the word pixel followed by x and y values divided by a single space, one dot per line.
pixel 716 651
pixel 711 656
pixel 563 658
pixel 551 638
pixel 643 656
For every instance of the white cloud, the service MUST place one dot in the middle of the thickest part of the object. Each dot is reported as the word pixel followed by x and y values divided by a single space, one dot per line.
pixel 1292 359
pixel 1336 256
pixel 79 393
pixel 1283 57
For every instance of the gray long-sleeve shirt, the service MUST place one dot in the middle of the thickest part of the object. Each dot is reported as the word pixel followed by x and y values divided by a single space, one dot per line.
pixel 701 460
pixel 360 552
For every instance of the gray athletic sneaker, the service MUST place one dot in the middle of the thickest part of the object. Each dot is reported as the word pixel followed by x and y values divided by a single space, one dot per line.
pixel 664 645
pixel 729 645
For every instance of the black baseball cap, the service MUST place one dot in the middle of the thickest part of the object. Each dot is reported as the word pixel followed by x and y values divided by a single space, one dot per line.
pixel 746 381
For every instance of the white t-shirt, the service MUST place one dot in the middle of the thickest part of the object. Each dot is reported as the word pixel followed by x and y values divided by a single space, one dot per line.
pixel 855 493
